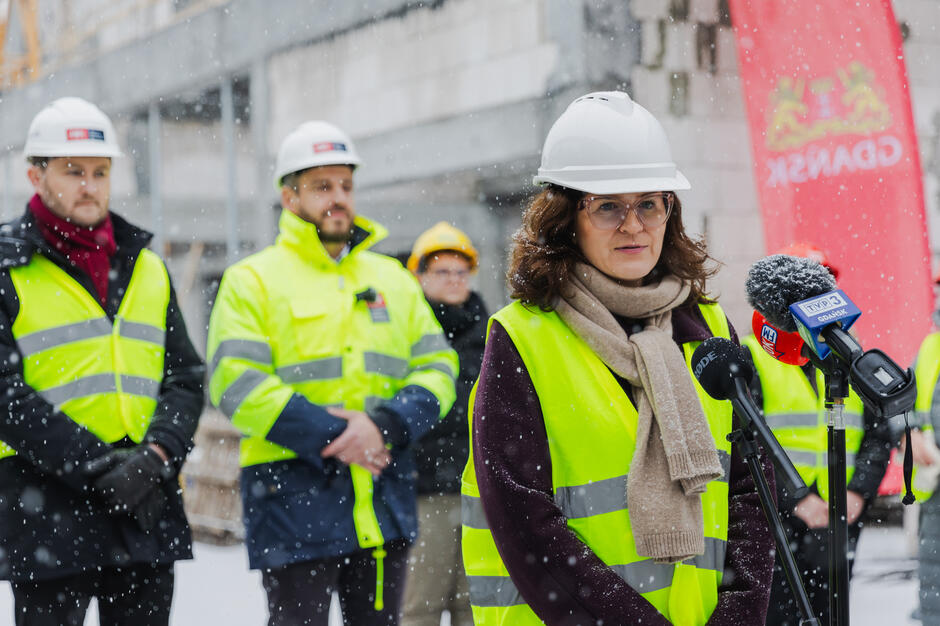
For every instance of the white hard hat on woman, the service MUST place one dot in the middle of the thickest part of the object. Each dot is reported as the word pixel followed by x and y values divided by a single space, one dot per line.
pixel 606 143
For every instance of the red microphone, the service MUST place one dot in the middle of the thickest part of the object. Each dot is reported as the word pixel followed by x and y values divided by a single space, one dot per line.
pixel 783 346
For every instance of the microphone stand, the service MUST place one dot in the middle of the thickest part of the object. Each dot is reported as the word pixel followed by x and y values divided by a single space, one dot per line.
pixel 836 375
pixel 751 423
pixel 885 389
pixel 837 389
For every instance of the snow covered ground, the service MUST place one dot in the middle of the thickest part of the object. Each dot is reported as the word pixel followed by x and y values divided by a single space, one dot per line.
pixel 218 588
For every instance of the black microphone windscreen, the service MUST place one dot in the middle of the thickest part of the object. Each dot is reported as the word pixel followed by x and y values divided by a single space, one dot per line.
pixel 716 363
pixel 775 282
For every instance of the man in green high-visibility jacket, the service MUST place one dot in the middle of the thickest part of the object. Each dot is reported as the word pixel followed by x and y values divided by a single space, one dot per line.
pixel 329 360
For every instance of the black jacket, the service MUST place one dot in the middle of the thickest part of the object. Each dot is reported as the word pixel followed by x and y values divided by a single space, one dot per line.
pixel 442 453
pixel 51 525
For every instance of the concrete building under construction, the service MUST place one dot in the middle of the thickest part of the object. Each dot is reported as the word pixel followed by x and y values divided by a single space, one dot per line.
pixel 448 102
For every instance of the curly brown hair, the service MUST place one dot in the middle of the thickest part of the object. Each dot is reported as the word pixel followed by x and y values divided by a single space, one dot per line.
pixel 545 251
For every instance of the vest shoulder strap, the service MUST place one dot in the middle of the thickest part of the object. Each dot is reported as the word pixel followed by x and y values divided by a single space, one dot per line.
pixel 716 319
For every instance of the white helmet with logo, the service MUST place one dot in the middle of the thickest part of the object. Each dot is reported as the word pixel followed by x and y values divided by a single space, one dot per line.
pixel 314 144
pixel 605 143
pixel 71 127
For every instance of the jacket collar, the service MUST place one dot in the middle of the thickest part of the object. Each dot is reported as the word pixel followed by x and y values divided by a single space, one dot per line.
pixel 301 237
pixel 20 238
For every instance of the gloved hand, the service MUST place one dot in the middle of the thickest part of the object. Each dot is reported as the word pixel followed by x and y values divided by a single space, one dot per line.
pixel 130 481
pixel 148 512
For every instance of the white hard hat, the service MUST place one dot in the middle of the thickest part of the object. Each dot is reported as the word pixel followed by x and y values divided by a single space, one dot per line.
pixel 71 127
pixel 314 144
pixel 605 143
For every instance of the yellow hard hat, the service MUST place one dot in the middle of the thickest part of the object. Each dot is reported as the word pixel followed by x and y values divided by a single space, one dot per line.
pixel 442 236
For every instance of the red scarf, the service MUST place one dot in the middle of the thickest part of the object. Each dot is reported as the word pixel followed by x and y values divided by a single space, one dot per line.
pixel 87 248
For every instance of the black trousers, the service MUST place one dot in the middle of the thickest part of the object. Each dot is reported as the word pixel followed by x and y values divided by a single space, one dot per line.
pixel 810 547
pixel 300 593
pixel 136 594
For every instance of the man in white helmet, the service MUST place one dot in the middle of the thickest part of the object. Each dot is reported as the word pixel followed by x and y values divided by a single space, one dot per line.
pixel 102 392
pixel 329 360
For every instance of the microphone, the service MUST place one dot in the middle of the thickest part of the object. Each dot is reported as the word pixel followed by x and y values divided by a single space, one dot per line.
pixel 723 370
pixel 798 294
pixel 781 345
pixel 775 282
pixel 794 293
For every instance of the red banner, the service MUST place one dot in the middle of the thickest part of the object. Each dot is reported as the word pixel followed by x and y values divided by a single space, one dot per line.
pixel 835 154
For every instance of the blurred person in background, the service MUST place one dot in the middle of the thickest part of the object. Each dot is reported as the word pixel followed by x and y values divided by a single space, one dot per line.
pixel 328 359
pixel 102 392
pixel 924 446
pixel 601 487
pixel 793 402
pixel 443 259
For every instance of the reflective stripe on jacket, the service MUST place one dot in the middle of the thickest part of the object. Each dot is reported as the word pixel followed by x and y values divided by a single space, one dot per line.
pixel 590 462
pixel 797 415
pixel 105 376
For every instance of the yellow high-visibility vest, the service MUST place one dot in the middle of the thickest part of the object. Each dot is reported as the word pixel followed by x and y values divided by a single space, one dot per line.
pixel 591 426
pixel 104 375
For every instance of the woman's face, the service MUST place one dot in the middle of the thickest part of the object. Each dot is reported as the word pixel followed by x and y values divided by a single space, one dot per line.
pixel 630 251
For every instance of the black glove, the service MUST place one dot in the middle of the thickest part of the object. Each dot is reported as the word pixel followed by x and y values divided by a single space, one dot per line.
pixel 149 511
pixel 130 481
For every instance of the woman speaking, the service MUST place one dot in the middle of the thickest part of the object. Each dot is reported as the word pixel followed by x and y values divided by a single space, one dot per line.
pixel 601 488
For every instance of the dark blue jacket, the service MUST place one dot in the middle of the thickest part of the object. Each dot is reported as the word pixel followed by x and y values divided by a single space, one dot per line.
pixel 301 509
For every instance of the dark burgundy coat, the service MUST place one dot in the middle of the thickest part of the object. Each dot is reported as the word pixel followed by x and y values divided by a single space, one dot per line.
pixel 565 583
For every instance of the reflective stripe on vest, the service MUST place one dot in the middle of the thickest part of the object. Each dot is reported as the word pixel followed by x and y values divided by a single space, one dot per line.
pixel 105 376
pixel 797 416
pixel 590 462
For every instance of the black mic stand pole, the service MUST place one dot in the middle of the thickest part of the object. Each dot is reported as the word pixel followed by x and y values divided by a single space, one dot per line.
pixel 837 389
pixel 751 422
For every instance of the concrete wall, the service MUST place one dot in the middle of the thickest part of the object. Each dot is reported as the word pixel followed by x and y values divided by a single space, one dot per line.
pixel 393 84
pixel 448 102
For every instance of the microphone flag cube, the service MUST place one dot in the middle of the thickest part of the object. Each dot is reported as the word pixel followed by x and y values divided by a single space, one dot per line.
pixel 814 314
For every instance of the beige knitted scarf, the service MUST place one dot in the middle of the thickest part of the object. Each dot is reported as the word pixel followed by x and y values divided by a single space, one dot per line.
pixel 675 455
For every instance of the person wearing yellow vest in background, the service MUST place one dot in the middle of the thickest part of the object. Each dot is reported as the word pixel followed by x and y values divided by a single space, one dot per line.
pixel 328 359
pixel 601 487
pixel 927 466
pixel 792 398
pixel 102 392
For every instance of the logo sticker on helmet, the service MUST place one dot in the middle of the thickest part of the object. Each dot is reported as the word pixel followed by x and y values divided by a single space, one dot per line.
pixel 76 134
pixel 328 146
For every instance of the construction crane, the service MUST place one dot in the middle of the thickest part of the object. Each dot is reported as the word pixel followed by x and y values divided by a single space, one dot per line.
pixel 19 68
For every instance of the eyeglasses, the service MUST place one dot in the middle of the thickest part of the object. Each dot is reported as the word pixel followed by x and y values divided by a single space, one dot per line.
pixel 608 213
pixel 461 275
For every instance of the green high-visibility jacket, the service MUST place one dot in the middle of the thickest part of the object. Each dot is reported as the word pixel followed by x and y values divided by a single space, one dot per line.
pixel 293 331
pixel 590 461
pixel 797 416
